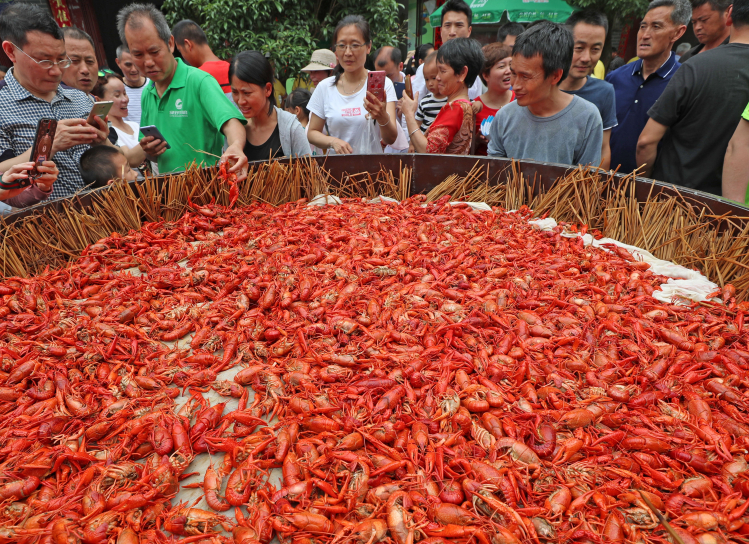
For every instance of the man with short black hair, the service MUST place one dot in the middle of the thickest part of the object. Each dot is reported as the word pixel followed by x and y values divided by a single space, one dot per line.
pixel 686 137
pixel 101 165
pixel 192 44
pixel 182 102
pixel 639 84
pixel 509 32
pixel 83 73
pixel 31 91
pixel 134 81
pixel 543 123
pixel 589 30
pixel 456 23
pixel 710 24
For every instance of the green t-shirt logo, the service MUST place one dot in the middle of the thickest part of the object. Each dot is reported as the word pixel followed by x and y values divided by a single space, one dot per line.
pixel 178 104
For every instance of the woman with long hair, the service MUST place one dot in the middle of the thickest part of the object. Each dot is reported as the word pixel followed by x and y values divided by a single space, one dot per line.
pixel 341 103
pixel 271 131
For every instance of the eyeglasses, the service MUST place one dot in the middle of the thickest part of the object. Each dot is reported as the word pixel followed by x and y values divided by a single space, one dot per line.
pixel 47 64
pixel 341 47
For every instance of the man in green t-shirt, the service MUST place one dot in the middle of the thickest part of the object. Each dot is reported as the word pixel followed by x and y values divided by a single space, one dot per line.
pixel 185 104
pixel 736 163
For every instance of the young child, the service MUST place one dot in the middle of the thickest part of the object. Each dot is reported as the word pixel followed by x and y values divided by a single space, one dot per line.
pixel 431 104
pixel 102 164
pixel 296 103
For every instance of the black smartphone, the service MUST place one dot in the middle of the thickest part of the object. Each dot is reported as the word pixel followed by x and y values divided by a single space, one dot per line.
pixel 41 151
pixel 151 130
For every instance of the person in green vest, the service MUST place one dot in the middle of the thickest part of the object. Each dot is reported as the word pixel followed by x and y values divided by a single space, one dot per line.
pixel 185 104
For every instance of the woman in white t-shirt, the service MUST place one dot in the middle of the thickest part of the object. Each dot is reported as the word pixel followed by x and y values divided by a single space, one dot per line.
pixel 111 88
pixel 341 103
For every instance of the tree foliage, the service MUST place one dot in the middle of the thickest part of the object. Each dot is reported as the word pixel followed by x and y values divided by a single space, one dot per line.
pixel 623 9
pixel 289 30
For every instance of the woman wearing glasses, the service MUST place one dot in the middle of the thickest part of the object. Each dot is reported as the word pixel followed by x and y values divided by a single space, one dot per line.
pixel 341 103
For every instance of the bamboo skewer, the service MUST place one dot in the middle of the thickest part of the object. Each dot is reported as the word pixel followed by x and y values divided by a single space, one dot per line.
pixel 666 224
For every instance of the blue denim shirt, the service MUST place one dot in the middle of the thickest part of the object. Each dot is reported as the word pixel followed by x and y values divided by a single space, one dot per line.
pixel 634 97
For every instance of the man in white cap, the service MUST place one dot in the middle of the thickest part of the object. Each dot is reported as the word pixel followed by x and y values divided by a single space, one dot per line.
pixel 320 65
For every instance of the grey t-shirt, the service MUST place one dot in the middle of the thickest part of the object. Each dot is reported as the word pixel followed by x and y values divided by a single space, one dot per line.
pixel 572 136
pixel 601 94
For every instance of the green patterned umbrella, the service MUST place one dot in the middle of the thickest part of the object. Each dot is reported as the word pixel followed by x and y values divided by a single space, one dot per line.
pixel 518 11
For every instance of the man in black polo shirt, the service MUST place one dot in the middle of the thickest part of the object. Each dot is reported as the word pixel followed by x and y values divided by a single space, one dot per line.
pixel 710 24
pixel 697 114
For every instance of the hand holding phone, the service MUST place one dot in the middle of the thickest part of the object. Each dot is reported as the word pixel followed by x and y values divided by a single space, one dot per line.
pixel 99 109
pixel 42 149
pixel 155 133
pixel 376 84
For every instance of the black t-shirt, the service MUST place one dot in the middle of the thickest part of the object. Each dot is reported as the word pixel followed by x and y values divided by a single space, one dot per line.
pixel 270 149
pixel 701 105
pixel 696 49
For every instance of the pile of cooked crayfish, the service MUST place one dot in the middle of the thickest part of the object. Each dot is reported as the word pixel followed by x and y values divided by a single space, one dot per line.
pixel 419 373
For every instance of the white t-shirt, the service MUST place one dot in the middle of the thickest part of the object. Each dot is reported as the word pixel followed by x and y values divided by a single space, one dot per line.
pixel 345 116
pixel 125 139
pixel 133 107
pixel 418 84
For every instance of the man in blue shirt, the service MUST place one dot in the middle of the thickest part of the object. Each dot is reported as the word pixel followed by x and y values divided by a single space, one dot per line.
pixel 639 84
pixel 589 30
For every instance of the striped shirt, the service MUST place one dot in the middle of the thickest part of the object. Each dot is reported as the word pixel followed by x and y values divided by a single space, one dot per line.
pixel 20 112
pixel 428 109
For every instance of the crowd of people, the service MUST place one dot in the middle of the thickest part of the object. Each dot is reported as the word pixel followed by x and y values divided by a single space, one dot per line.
pixel 540 92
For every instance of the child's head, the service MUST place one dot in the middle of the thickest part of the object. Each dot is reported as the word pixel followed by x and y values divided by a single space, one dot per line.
pixel 430 73
pixel 296 103
pixel 102 164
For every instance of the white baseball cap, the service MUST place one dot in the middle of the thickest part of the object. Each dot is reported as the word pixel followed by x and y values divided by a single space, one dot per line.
pixel 322 59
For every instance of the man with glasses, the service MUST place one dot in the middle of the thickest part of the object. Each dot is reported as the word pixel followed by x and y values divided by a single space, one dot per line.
pixel 31 91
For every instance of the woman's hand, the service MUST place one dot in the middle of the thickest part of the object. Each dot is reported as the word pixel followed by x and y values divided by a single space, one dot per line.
pixel 408 106
pixel 17 172
pixel 49 173
pixel 237 161
pixel 341 147
pixel 20 171
pixel 377 110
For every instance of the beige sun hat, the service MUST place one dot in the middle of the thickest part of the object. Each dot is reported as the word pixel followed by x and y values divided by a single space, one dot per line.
pixel 322 59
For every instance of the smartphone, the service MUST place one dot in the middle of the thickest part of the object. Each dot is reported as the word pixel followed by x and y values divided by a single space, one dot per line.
pixel 376 84
pixel 42 150
pixel 151 130
pixel 100 109
pixel 409 89
pixel 399 88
